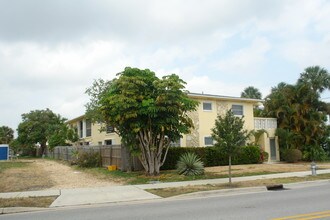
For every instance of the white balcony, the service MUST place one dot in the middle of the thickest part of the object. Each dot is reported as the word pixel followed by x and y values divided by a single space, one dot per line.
pixel 265 123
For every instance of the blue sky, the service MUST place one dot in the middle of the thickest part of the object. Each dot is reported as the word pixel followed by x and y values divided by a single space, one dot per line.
pixel 50 51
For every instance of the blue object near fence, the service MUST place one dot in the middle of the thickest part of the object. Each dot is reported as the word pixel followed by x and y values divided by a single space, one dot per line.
pixel 4 152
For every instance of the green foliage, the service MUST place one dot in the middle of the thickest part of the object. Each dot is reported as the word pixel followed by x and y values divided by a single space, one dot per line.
pixel 6 135
pixel 155 111
pixel 228 132
pixel 249 155
pixel 190 164
pixel 214 156
pixel 300 113
pixel 89 159
pixel 264 156
pixel 315 154
pixel 61 135
pixel 292 155
pixel 251 92
pixel 37 127
pixel 15 146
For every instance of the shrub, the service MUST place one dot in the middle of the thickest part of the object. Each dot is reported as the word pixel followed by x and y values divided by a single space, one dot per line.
pixel 264 156
pixel 213 156
pixel 249 155
pixel 292 155
pixel 315 154
pixel 190 164
pixel 89 159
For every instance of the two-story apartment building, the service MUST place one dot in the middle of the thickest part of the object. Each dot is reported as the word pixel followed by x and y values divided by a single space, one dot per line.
pixel 204 119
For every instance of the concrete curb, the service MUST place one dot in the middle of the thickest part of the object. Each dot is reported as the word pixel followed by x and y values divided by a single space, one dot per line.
pixel 305 184
pixel 221 192
pixel 55 192
pixel 11 210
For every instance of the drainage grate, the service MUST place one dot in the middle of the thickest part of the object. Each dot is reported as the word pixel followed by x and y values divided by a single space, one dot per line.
pixel 275 187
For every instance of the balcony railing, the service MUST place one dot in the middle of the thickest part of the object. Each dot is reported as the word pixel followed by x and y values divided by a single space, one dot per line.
pixel 265 123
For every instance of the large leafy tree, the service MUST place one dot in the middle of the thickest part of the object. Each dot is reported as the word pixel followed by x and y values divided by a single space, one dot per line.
pixel 39 126
pixel 251 92
pixel 230 135
pixel 146 111
pixel 6 135
pixel 300 112
pixel 61 134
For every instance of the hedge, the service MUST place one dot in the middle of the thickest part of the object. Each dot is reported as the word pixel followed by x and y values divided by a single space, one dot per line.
pixel 214 156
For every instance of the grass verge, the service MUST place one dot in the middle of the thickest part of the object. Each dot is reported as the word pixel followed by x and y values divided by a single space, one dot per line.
pixel 174 191
pixel 42 202
pixel 139 177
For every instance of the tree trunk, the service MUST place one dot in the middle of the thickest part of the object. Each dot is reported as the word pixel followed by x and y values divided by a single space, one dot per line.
pixel 151 152
pixel 229 170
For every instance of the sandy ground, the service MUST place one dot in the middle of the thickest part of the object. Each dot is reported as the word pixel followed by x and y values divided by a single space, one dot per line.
pixel 47 174
pixel 64 176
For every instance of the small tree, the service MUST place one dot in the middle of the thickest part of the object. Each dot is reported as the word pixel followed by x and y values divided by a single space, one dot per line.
pixel 229 134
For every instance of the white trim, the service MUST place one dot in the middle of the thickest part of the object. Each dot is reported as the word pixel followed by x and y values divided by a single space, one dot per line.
pixel 243 111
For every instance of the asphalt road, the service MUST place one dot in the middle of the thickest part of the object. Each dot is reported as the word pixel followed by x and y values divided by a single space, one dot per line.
pixel 309 202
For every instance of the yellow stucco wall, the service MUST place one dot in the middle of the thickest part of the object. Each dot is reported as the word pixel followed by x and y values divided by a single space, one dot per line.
pixel 204 120
pixel 96 137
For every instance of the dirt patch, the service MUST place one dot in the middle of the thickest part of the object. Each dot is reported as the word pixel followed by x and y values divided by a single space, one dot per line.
pixel 264 168
pixel 41 174
pixel 28 177
pixel 65 176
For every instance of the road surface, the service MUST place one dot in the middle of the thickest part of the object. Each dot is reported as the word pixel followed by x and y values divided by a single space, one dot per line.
pixel 309 203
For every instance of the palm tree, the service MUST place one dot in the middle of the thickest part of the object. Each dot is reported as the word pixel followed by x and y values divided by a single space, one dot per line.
pixel 316 77
pixel 6 135
pixel 251 92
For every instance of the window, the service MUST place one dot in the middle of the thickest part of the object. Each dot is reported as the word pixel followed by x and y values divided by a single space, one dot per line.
pixel 237 109
pixel 208 141
pixel 108 142
pixel 175 143
pixel 88 128
pixel 207 106
pixel 110 129
pixel 81 128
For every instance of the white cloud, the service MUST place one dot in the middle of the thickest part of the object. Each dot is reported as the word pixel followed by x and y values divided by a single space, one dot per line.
pixel 246 60
pixel 307 53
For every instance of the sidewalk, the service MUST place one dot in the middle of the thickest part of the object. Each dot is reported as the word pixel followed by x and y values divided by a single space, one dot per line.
pixel 87 196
